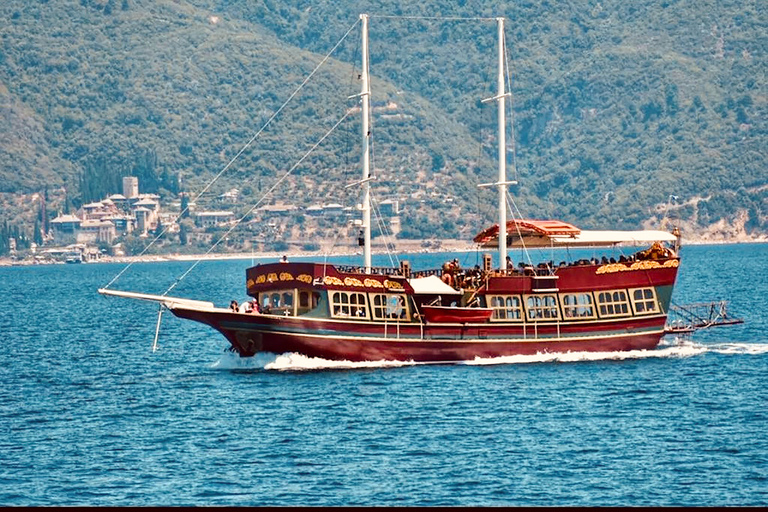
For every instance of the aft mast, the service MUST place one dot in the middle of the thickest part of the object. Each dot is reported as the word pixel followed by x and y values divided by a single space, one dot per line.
pixel 502 179
pixel 502 152
pixel 366 133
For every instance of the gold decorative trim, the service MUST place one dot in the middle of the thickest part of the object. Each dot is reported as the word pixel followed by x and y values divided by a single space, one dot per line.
pixel 333 281
pixel 611 268
pixel 638 265
pixel 645 265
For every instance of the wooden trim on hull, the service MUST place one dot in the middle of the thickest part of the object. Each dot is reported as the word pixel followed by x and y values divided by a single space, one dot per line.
pixel 251 335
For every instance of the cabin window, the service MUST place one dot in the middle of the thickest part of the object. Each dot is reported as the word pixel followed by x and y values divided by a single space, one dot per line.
pixel 389 306
pixel 577 305
pixel 307 301
pixel 275 300
pixel 278 302
pixel 506 307
pixel 613 303
pixel 644 301
pixel 348 304
pixel 541 307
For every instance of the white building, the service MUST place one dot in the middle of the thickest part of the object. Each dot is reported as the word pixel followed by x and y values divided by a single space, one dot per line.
pixel 96 231
pixel 389 208
pixel 65 229
pixel 221 218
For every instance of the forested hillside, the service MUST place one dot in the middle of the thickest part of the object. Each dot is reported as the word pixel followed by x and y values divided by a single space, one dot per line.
pixel 617 106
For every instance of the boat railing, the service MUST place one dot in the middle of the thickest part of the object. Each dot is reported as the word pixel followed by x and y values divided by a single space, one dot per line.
pixel 701 315
pixel 540 270
pixel 379 271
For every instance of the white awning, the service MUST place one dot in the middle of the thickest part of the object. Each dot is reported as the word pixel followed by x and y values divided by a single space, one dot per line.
pixel 431 285
pixel 595 239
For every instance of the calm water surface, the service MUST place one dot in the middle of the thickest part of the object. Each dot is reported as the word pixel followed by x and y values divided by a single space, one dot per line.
pixel 90 415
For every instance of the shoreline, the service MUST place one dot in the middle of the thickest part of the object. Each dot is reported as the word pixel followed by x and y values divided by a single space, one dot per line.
pixel 409 247
pixel 401 247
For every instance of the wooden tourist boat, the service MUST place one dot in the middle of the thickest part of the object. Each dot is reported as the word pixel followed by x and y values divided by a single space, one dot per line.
pixel 452 314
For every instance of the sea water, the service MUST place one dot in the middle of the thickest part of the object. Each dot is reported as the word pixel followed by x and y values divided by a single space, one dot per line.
pixel 91 415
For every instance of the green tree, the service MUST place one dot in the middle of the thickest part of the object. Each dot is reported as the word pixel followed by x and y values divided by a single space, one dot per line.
pixel 38 233
pixel 185 226
pixel 184 205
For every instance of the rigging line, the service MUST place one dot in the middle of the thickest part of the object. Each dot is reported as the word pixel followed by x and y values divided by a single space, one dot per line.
pixel 438 18
pixel 519 234
pixel 510 108
pixel 327 253
pixel 385 233
pixel 348 143
pixel 242 150
pixel 273 187
pixel 336 237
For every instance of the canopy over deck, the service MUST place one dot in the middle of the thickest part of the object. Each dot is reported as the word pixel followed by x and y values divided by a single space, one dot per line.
pixel 553 233
pixel 431 285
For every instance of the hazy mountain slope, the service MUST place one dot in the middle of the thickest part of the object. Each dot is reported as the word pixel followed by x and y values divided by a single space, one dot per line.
pixel 617 105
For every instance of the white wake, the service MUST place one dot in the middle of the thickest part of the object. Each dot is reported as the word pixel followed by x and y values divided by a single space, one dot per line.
pixel 675 348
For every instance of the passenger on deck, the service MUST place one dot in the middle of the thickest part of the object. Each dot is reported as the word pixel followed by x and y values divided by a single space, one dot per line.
pixel 233 306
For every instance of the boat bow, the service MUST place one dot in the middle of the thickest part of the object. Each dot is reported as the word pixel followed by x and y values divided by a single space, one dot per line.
pixel 169 302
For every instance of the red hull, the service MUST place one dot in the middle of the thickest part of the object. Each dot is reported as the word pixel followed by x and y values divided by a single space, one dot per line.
pixel 323 339
pixel 612 318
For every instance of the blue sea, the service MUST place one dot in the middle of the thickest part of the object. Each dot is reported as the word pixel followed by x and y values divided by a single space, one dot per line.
pixel 91 415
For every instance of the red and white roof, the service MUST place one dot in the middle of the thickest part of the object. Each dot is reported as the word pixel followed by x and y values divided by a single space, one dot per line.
pixel 554 233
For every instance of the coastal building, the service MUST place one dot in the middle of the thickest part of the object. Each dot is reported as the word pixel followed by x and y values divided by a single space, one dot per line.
pixel 146 211
pixel 231 196
pixel 276 210
pixel 96 231
pixel 65 228
pixel 130 187
pixel 314 211
pixel 103 221
pixel 389 208
pixel 333 209
pixel 124 223
pixel 120 201
pixel 214 218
